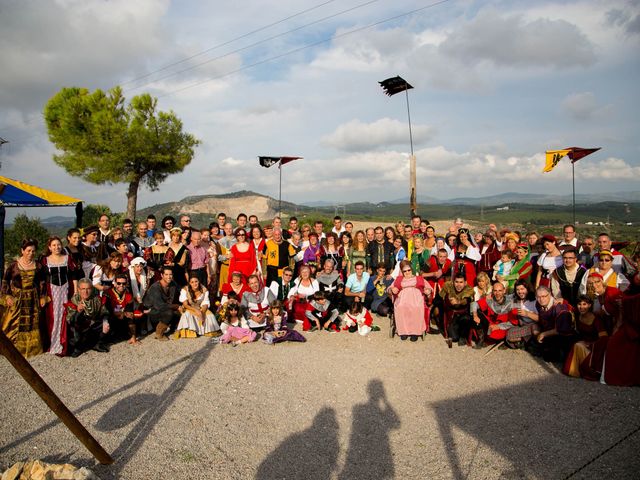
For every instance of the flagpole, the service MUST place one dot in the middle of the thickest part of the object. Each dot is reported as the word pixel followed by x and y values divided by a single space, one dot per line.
pixel 280 194
pixel 573 182
pixel 412 164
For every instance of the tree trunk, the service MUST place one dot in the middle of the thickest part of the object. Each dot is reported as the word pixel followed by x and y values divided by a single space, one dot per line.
pixel 132 199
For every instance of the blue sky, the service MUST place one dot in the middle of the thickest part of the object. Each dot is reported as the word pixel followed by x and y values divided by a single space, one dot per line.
pixel 496 83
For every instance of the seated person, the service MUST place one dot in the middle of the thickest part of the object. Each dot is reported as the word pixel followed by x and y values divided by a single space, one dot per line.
pixel 161 299
pixel 87 319
pixel 235 328
pixel 377 298
pixel 524 304
pixel 320 314
pixel 119 302
pixel 358 319
pixel 255 303
pixel 196 318
pixel 555 321
pixel 355 289
pixel 277 330
pixel 456 298
pixel 330 283
pixel 493 316
pixel 606 301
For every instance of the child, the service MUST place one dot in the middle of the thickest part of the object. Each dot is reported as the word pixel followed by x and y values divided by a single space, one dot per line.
pixel 503 266
pixel 320 314
pixel 235 327
pixel 276 330
pixel 359 319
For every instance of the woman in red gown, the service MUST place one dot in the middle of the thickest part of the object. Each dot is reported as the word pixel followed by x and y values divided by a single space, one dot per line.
pixel 243 257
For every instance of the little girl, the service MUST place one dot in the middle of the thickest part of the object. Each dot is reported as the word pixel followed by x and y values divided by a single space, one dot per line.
pixel 276 330
pixel 359 319
pixel 235 328
pixel 503 266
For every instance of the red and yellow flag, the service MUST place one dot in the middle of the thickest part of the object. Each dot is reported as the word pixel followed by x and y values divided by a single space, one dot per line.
pixel 553 157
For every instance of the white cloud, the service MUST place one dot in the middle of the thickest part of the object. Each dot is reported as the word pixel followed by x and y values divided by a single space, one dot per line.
pixel 355 135
pixel 583 106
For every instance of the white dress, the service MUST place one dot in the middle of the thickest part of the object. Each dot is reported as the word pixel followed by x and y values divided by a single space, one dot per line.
pixel 190 325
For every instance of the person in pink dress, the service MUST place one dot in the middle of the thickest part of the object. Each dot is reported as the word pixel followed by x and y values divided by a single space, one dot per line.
pixel 408 306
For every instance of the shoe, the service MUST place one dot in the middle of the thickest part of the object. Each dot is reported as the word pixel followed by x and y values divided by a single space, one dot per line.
pixel 462 342
pixel 449 343
pixel 345 329
pixel 101 347
pixel 76 353
pixel 334 328
pixel 313 329
pixel 375 328
pixel 414 338
pixel 433 331
pixel 404 337
pixel 160 331
pixel 353 329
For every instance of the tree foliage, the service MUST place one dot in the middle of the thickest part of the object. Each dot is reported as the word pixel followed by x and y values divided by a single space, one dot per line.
pixel 24 227
pixel 103 140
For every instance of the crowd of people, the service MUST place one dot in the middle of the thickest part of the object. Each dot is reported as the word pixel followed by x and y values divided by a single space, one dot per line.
pixel 565 299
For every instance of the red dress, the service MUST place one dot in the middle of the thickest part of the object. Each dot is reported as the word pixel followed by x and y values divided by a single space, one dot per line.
pixel 243 262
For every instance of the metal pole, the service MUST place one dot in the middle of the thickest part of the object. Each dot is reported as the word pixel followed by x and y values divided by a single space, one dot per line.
pixel 412 164
pixel 573 182
pixel 280 194
pixel 56 405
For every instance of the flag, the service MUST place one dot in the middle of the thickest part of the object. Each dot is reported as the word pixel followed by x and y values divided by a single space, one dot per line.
pixel 553 157
pixel 394 85
pixel 270 161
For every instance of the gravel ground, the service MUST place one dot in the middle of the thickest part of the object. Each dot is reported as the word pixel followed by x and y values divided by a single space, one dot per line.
pixel 339 406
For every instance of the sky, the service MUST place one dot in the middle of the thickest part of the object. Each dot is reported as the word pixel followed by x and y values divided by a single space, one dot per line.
pixel 496 83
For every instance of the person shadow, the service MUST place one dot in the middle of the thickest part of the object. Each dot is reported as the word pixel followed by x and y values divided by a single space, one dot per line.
pixel 311 454
pixel 369 454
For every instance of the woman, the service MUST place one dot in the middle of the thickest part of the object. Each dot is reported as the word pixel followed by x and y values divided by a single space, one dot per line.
pixel 389 235
pixel 345 252
pixel 155 256
pixel 429 239
pixel 243 257
pixel 138 281
pixel 548 261
pixel 511 241
pixel 483 289
pixel 305 230
pixel 23 294
pixel 399 255
pixel 62 281
pixel 466 256
pixel 74 250
pixel 359 251
pixel 423 228
pixel 420 256
pixel 236 285
pixel 585 357
pixel 408 305
pixel 521 269
pixel 609 276
pixel 399 229
pixel 525 304
pixel 330 249
pixel 196 318
pixel 103 274
pixel 177 257
pixel 313 253
pixel 489 253
pixel 259 247
pixel 303 287
pixel 213 264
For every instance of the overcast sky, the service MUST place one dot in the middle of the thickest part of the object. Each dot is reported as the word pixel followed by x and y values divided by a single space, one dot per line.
pixel 496 84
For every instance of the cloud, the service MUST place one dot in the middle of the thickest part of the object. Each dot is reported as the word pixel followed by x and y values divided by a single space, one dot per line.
pixel 583 106
pixel 356 135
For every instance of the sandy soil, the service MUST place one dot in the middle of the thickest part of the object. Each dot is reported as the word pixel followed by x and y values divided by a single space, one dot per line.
pixel 339 406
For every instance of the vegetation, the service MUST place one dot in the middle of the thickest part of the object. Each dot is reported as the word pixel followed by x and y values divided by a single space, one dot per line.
pixel 24 227
pixel 105 141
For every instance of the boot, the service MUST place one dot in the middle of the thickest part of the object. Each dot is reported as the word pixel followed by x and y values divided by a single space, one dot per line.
pixel 160 330
pixel 480 339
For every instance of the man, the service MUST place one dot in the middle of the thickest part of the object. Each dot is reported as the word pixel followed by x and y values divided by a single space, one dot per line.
pixel 256 303
pixel 253 221
pixel 555 321
pixel 569 239
pixel 277 253
pixel 104 232
pixel 199 257
pixel 330 283
pixel 456 298
pixel 370 234
pixel 161 299
pixel 127 230
pixel 439 271
pixel 318 227
pixel 338 228
pixel 88 320
pixel 222 219
pixel 241 221
pixel 407 240
pixel 119 303
pixel 621 264
pixel 226 242
pixel 355 289
pixel 415 224
pixel 141 240
pixel 566 280
pixel 277 222
pixel 293 225
pixel 377 299
pixel 380 252
pixel 151 224
pixel 493 316
pixel 607 304
pixel 281 286
pixel 585 256
pixel 348 227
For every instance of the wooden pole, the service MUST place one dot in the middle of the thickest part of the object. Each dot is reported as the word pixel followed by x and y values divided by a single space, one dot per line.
pixel 56 405
pixel 413 200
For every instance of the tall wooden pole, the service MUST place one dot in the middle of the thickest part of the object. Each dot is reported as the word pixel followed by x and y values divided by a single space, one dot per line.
pixel 413 200
pixel 280 190
pixel 573 182
pixel 56 405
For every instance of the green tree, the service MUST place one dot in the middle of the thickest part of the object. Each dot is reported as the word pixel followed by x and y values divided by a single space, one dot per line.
pixel 24 227
pixel 103 140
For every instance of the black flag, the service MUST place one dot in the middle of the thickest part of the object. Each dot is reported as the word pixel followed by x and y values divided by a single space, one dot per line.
pixel 394 85
pixel 268 161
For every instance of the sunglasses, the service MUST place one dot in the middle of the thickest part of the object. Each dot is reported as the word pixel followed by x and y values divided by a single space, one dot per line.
pixel 407 270
pixel 121 283
pixel 241 234
pixel 604 260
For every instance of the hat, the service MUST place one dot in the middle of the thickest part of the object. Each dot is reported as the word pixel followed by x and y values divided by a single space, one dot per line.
pixel 523 245
pixel 605 252
pixel 138 261
pixel 176 229
pixel 549 238
pixel 91 229
pixel 236 274
pixel 596 275
pixel 511 236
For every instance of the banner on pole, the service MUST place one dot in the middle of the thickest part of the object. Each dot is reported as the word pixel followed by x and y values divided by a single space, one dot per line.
pixel 553 157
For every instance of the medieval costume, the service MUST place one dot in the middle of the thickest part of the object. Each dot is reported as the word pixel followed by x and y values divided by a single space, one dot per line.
pixel 59 281
pixel 256 304
pixel 86 327
pixel 196 318
pixel 457 319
